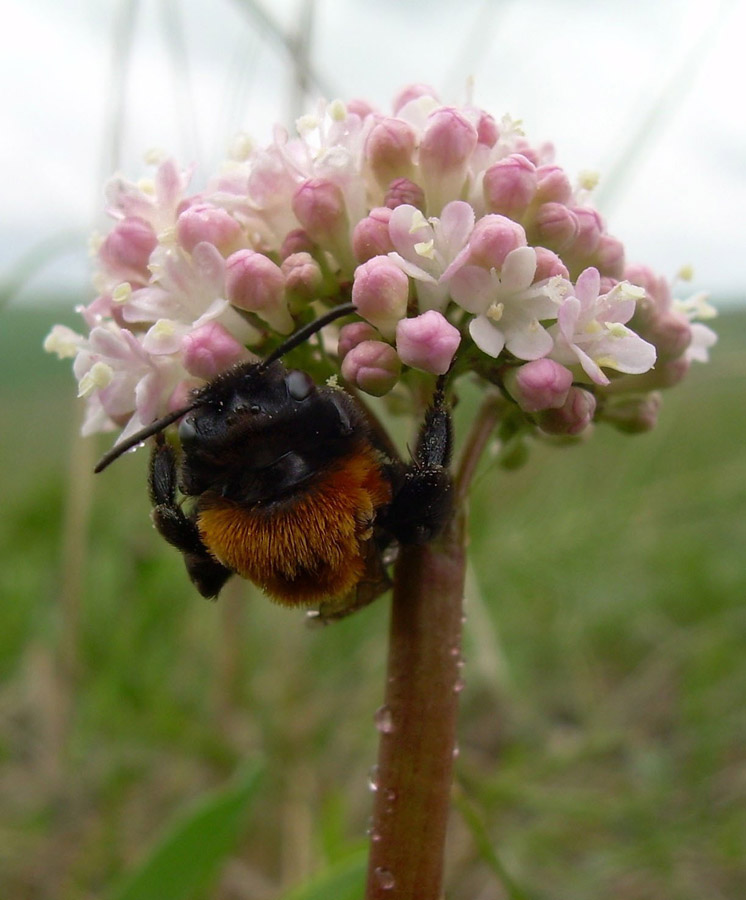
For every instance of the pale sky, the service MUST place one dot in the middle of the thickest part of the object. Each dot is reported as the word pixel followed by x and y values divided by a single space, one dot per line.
pixel 660 85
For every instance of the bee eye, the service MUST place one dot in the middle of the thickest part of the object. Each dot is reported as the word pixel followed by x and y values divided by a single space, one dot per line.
pixel 299 384
pixel 187 431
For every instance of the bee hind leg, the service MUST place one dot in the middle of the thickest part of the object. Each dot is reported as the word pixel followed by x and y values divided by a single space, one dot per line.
pixel 423 500
pixel 206 573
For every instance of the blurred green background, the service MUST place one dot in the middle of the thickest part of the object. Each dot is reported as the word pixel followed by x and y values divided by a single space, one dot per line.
pixel 602 736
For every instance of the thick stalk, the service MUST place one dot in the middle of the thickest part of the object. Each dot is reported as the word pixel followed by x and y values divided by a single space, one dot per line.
pixel 418 720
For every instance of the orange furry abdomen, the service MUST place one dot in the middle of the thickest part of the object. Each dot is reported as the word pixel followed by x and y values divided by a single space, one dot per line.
pixel 308 547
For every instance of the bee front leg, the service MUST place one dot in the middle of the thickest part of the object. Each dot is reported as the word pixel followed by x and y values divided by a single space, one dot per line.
pixel 206 573
pixel 422 503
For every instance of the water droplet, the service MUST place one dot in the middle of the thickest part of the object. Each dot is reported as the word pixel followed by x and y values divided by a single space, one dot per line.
pixel 454 651
pixel 390 794
pixel 456 751
pixel 384 720
pixel 458 685
pixel 373 778
pixel 384 878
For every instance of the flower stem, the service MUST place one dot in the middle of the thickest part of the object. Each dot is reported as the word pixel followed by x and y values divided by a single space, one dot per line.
pixel 418 720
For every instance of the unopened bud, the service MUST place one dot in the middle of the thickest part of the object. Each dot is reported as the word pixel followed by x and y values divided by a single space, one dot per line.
pixel 353 334
pixel 296 241
pixel 548 264
pixel 380 292
pixel 389 150
pixel 402 191
pixel 126 250
pixel 319 206
pixel 254 283
pixel 509 185
pixel 428 342
pixel 590 226
pixel 370 236
pixel 539 384
pixel 609 257
pixel 633 415
pixel 412 92
pixel 554 226
pixel 573 417
pixel 372 366
pixel 447 143
pixel 210 349
pixel 303 277
pixel 493 238
pixel 553 185
pixel 211 224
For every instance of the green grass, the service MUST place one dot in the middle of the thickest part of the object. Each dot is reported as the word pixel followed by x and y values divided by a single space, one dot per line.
pixel 602 739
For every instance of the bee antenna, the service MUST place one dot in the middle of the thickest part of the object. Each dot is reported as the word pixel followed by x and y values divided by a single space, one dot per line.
pixel 154 428
pixel 303 334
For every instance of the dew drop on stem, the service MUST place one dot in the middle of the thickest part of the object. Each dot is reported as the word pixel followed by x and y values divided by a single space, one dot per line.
pixel 384 720
pixel 384 878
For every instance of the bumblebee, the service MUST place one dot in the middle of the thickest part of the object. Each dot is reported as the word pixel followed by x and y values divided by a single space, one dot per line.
pixel 288 484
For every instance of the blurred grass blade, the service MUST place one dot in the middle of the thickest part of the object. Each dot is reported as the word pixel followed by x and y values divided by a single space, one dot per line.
pixel 189 854
pixel 487 852
pixel 344 880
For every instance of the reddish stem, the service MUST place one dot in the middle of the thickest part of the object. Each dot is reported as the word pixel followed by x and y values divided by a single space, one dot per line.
pixel 418 720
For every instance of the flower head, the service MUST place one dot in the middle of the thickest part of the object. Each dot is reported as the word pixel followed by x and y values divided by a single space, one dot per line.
pixel 446 227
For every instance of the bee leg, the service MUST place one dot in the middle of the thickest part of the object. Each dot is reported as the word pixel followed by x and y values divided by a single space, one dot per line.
pixel 207 574
pixel 422 503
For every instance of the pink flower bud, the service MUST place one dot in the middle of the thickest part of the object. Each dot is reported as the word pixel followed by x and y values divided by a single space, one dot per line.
pixel 590 226
pixel 303 276
pixel 319 206
pixel 548 264
pixel 359 107
pixel 401 192
pixel 210 349
pixel 370 236
pixel 670 332
pixel 509 185
pixel 296 241
pixel 633 415
pixel 372 366
pixel 539 384
pixel 253 282
pixel 127 248
pixel 380 292
pixel 412 92
pixel 553 185
pixel 573 417
pixel 353 334
pixel 389 150
pixel 609 257
pixel 210 224
pixel 427 342
pixel 493 238
pixel 555 226
pixel 448 140
pixel 487 131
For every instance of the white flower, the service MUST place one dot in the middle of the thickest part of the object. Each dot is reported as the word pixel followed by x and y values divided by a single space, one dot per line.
pixel 508 305
pixel 590 330
pixel 426 247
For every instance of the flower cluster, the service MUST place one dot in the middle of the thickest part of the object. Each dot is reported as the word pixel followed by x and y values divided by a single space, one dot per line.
pixel 462 246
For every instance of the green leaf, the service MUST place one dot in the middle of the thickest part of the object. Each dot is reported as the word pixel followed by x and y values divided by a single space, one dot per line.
pixel 344 880
pixel 189 854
